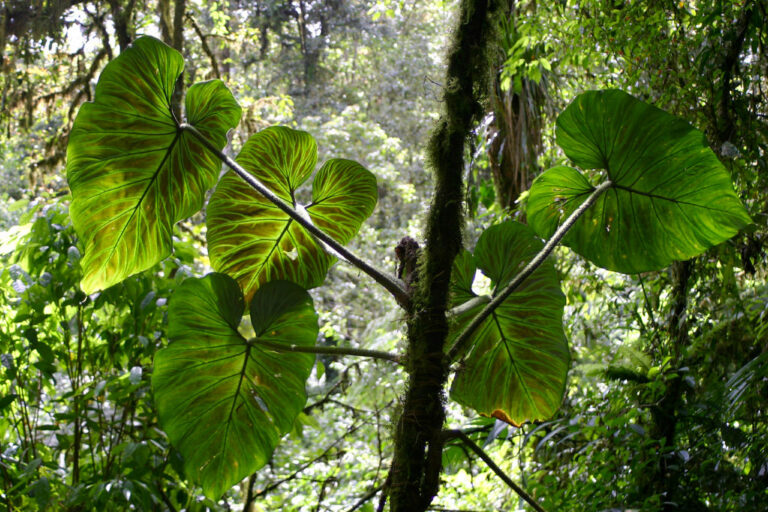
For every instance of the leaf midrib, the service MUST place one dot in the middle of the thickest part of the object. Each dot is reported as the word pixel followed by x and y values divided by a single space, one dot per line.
pixel 268 256
pixel 512 362
pixel 228 422
pixel 151 183
pixel 664 198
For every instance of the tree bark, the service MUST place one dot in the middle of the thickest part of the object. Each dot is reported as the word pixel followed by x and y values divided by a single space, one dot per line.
pixel 121 19
pixel 178 43
pixel 164 13
pixel 418 438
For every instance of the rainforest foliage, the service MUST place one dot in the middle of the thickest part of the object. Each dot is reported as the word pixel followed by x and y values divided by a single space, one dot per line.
pixel 529 273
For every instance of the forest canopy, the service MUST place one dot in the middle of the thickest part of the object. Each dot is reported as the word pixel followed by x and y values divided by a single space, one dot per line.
pixel 383 255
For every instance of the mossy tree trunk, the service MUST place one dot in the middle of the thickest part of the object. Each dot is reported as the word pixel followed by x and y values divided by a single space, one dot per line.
pixel 416 466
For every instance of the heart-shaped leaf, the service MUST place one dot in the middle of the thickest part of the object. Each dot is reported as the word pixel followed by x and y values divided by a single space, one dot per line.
pixel 253 241
pixel 671 198
pixel 133 173
pixel 516 365
pixel 225 401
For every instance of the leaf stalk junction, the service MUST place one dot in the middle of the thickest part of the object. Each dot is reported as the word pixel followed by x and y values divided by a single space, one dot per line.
pixel 530 268
pixel 388 282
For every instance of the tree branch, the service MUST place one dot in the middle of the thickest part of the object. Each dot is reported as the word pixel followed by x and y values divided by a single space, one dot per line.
pixel 529 269
pixel 271 487
pixel 390 283
pixel 333 351
pixel 367 497
pixel 471 303
pixel 249 498
pixel 729 66
pixel 204 44
pixel 458 434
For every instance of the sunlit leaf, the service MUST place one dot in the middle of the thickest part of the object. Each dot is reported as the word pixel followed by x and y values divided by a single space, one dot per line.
pixel 671 197
pixel 132 172
pixel 253 241
pixel 516 365
pixel 463 275
pixel 225 401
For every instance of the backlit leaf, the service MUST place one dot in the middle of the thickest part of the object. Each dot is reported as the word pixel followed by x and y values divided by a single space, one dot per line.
pixel 516 365
pixel 671 197
pixel 463 275
pixel 133 173
pixel 225 401
pixel 253 241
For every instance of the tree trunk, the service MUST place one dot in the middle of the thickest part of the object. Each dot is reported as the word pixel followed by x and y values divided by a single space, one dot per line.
pixel 178 43
pixel 164 13
pixel 418 438
pixel 121 19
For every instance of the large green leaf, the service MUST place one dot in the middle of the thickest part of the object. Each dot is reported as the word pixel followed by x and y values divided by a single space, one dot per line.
pixel 516 365
pixel 252 240
pixel 225 401
pixel 671 197
pixel 133 173
pixel 462 277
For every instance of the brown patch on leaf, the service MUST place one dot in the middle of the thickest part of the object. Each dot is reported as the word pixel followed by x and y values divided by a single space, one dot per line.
pixel 501 415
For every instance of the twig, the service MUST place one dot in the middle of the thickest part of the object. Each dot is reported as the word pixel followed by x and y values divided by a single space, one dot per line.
pixel 385 491
pixel 470 304
pixel 529 269
pixel 333 351
pixel 326 399
pixel 163 496
pixel 443 509
pixel 183 226
pixel 304 466
pixel 390 283
pixel 249 498
pixel 204 43
pixel 367 497
pixel 458 434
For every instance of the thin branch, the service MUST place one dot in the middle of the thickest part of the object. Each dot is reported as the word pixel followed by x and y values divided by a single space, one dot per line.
pixel 183 226
pixel 648 307
pixel 204 43
pixel 163 496
pixel 385 492
pixel 367 497
pixel 271 487
pixel 332 351
pixel 458 434
pixel 249 498
pixel 390 283
pixel 529 269
pixel 443 509
pixel 326 399
pixel 470 304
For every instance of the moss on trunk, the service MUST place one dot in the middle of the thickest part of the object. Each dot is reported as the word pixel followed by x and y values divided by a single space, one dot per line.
pixel 418 438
